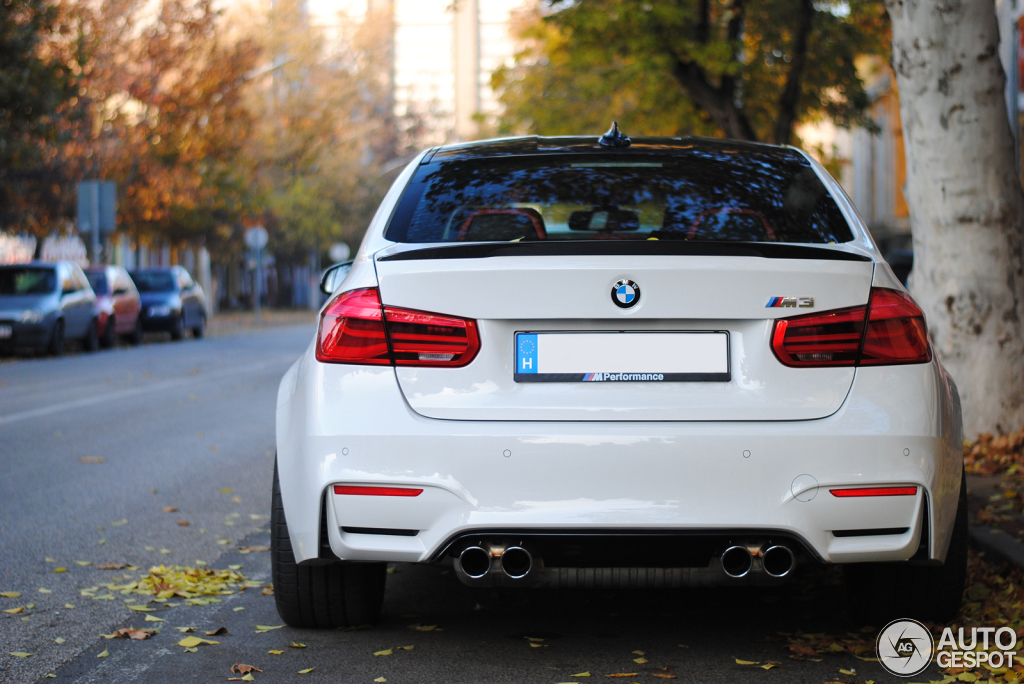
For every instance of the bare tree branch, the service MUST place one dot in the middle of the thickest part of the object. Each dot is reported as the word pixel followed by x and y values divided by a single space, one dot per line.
pixel 786 116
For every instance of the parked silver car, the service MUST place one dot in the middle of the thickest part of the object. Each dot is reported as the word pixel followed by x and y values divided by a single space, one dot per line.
pixel 44 304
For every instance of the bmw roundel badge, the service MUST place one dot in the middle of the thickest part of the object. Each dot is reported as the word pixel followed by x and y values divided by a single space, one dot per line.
pixel 625 294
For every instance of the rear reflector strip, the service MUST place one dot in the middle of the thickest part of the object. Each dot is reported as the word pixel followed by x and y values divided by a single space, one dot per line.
pixel 376 491
pixel 875 491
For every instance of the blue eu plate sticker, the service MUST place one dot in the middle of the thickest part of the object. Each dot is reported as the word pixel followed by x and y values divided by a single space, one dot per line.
pixel 526 353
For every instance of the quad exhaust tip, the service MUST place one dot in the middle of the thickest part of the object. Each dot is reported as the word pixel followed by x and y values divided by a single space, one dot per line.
pixel 737 561
pixel 475 561
pixel 778 561
pixel 516 562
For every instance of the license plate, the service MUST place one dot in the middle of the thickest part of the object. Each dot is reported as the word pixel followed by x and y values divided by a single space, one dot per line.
pixel 6 332
pixel 623 357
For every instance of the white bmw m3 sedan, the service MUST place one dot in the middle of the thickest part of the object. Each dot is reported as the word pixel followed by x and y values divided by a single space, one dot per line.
pixel 595 362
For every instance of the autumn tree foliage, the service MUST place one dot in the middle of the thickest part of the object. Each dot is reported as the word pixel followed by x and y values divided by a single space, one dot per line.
pixel 207 124
pixel 325 130
pixel 672 67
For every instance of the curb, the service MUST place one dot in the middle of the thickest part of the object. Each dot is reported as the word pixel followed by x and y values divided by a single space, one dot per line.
pixel 997 543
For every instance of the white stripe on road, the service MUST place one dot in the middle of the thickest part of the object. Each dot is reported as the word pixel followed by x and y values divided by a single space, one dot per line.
pixel 133 391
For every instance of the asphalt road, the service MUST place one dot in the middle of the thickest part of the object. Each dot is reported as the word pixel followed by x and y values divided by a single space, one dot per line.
pixel 190 425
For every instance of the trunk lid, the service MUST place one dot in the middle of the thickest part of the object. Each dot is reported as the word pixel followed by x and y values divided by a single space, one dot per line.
pixel 542 293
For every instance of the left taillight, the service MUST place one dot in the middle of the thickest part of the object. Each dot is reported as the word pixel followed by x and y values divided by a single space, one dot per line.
pixel 890 330
pixel 355 328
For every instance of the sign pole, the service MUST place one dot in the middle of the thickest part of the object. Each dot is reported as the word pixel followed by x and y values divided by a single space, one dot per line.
pixel 95 224
pixel 259 280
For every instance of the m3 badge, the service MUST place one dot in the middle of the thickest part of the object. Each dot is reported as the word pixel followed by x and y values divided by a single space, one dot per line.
pixel 795 302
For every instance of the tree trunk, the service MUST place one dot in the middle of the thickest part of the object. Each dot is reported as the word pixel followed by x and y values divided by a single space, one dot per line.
pixel 965 199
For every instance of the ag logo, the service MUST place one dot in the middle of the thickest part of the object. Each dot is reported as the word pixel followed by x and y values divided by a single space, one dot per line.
pixel 625 294
pixel 905 647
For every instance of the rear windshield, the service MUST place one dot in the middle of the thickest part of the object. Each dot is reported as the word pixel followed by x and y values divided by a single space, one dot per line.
pixel 153 281
pixel 698 195
pixel 27 281
pixel 98 281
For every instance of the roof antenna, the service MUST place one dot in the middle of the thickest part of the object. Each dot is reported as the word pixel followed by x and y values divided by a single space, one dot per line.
pixel 614 137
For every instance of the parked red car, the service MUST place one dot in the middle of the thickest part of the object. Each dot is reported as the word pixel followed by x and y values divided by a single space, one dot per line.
pixel 117 304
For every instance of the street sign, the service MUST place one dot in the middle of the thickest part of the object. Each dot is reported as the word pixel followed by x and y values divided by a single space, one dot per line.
pixel 97 203
pixel 256 237
pixel 339 252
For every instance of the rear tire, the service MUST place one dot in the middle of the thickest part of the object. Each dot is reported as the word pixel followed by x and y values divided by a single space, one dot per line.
pixel 200 330
pixel 338 594
pixel 91 342
pixel 879 592
pixel 56 347
pixel 109 333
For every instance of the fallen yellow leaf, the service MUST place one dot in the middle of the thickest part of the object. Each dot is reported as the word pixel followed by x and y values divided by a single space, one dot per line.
pixel 581 674
pixel 104 654
pixel 380 680
pixel 425 628
pixel 69 606
pixel 191 650
pixel 405 648
pixel 22 654
pixel 275 652
pixel 10 594
pixel 768 666
pixel 310 669
pixel 153 618
pixel 60 569
pixel 639 653
pixel 532 639
pixel 43 590
pixel 59 640
pixel 385 652
pixel 19 609
pixel 184 629
pixel 83 563
pixel 192 641
pixel 847 672
pixel 639 661
pixel 296 644
pixel 747 662
pixel 248 678
pixel 141 608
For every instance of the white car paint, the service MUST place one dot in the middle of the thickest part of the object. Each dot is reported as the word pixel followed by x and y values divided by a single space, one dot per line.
pixel 757 453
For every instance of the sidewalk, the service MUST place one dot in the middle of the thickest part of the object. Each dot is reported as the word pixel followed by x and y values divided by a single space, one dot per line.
pixel 232 322
pixel 995 527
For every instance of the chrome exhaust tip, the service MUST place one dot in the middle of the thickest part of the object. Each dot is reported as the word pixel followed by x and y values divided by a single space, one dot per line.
pixel 778 561
pixel 516 562
pixel 737 561
pixel 475 561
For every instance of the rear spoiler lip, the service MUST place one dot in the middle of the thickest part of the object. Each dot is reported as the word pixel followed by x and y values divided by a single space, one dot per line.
pixel 765 250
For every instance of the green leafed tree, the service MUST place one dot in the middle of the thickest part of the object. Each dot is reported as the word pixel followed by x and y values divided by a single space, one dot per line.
pixel 730 68
pixel 40 71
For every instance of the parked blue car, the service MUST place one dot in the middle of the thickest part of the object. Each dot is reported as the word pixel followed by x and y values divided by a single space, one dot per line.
pixel 44 304
pixel 171 301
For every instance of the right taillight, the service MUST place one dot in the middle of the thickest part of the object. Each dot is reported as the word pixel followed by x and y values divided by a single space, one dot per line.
pixel 889 330
pixel 355 328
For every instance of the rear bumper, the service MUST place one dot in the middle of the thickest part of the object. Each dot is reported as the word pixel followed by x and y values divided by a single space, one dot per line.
pixel 348 425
